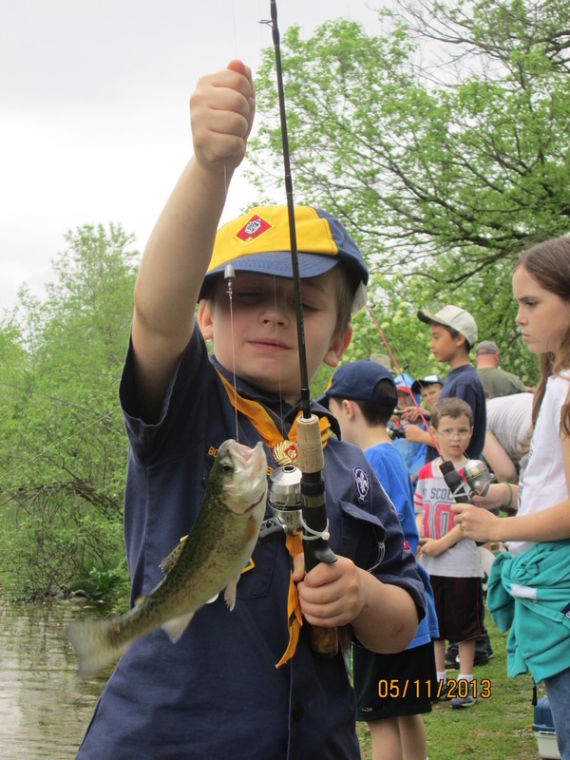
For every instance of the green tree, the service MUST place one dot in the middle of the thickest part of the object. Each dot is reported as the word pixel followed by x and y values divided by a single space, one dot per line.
pixel 443 174
pixel 64 448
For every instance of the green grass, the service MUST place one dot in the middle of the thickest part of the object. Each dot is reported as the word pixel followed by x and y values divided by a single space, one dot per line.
pixel 498 728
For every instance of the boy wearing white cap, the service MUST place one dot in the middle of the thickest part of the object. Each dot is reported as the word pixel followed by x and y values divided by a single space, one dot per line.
pixel 453 332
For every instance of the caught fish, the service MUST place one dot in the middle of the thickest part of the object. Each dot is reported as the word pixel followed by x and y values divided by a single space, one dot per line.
pixel 210 559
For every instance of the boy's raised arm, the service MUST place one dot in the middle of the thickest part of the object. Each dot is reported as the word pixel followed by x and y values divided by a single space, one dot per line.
pixel 180 246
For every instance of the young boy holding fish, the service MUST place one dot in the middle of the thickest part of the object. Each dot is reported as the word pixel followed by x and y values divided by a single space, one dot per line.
pixel 217 692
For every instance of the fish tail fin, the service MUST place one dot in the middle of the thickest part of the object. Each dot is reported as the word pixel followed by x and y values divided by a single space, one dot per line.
pixel 93 644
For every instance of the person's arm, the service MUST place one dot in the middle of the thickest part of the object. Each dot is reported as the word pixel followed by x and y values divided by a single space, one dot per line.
pixel 383 616
pixel 433 547
pixel 414 434
pixel 551 524
pixel 411 414
pixel 498 459
pixel 180 246
pixel 498 495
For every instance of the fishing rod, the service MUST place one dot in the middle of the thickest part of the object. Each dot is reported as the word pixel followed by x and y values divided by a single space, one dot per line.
pixel 400 372
pixel 305 391
pixel 309 444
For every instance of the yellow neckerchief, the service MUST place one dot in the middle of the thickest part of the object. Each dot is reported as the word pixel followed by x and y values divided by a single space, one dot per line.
pixel 269 432
pixel 264 423
pixel 294 544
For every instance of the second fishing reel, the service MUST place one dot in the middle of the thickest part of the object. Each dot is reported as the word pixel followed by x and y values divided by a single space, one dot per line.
pixel 475 481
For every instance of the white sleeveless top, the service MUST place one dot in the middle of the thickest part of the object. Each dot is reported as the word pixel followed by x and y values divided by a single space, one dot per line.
pixel 544 481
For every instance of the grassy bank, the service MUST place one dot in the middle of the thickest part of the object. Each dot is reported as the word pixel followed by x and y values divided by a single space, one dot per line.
pixel 498 728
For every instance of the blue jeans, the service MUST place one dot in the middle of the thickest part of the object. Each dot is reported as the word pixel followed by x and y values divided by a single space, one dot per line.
pixel 558 691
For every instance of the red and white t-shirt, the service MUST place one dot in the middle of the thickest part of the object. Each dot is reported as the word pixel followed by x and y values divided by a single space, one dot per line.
pixel 433 501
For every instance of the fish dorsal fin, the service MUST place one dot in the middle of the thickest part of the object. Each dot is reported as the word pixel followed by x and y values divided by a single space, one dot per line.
pixel 176 626
pixel 172 557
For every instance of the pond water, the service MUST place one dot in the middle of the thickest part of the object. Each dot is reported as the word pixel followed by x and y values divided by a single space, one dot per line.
pixel 44 707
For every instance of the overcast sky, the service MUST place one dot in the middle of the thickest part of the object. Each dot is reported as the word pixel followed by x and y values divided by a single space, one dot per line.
pixel 94 124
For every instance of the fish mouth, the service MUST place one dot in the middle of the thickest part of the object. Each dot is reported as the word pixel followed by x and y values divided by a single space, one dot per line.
pixel 249 484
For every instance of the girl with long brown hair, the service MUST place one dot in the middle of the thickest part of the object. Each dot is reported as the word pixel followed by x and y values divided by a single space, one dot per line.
pixel 529 586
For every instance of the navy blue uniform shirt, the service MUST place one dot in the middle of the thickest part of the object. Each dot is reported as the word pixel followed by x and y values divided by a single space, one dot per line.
pixel 464 383
pixel 216 694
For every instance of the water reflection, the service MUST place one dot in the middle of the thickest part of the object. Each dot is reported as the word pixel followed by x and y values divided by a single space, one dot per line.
pixel 44 707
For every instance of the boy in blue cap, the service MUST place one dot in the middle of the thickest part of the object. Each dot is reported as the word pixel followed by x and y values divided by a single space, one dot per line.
pixel 362 395
pixel 217 693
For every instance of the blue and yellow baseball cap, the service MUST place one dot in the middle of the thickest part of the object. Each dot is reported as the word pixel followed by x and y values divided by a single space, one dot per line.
pixel 259 242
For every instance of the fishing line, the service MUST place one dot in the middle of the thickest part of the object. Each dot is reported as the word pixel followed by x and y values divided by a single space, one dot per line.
pixel 279 376
pixel 234 21
pixel 229 276
pixel 305 391
pixel 229 271
pixel 400 372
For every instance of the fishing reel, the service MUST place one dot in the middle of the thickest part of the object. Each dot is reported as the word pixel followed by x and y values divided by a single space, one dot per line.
pixel 395 432
pixel 285 502
pixel 284 498
pixel 396 429
pixel 476 479
pixel 478 476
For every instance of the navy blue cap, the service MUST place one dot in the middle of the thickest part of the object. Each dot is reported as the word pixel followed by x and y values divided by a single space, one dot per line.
pixel 357 381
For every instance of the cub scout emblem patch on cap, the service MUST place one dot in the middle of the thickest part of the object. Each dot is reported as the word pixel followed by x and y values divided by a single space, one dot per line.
pixel 255 227
pixel 362 483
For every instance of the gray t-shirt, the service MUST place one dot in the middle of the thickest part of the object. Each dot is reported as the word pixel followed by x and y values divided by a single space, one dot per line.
pixel 509 418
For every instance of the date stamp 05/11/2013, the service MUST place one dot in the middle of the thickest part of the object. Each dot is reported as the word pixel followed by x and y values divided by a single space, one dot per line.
pixel 396 688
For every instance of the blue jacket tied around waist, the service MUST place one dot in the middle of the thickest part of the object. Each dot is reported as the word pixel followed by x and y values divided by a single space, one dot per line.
pixel 530 594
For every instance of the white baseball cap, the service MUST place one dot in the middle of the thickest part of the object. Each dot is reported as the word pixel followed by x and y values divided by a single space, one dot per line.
pixel 455 318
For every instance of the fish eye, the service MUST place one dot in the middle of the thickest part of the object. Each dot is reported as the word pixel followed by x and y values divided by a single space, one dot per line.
pixel 227 466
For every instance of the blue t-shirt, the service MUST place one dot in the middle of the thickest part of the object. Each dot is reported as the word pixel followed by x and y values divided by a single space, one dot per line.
pixel 391 472
pixel 413 454
pixel 463 382
pixel 394 479
pixel 216 693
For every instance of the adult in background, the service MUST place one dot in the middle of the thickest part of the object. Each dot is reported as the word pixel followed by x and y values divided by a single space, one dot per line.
pixel 495 380
pixel 509 425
